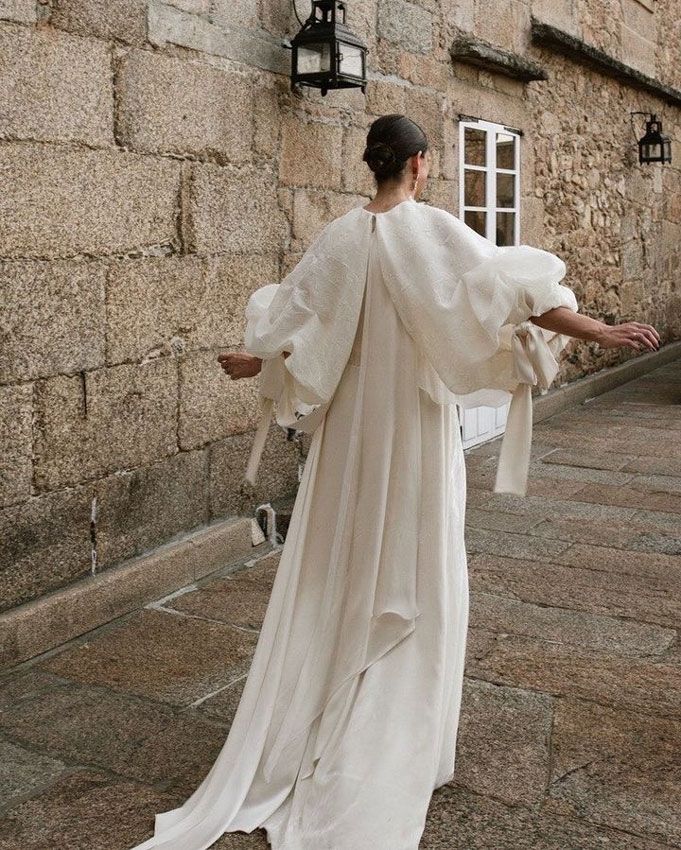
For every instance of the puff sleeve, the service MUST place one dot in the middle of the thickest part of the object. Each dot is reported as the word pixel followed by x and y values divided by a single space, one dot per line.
pixel 278 390
pixel 467 304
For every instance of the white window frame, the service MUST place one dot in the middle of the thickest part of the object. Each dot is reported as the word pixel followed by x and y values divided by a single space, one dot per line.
pixel 490 129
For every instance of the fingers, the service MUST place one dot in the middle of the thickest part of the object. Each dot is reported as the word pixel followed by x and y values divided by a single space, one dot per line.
pixel 649 328
pixel 649 338
pixel 641 336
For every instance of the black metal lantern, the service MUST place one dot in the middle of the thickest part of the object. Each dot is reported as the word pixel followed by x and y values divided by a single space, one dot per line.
pixel 654 146
pixel 326 54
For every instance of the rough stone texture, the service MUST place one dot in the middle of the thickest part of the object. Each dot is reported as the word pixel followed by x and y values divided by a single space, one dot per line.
pixel 163 306
pixel 616 768
pixel 473 51
pixel 23 772
pixel 84 201
pixel 614 582
pixel 122 20
pixel 503 742
pixel 88 810
pixel 312 206
pixel 652 686
pixel 72 611
pixel 103 421
pixel 173 105
pixel 408 24
pixel 310 154
pixel 607 634
pixel 162 656
pixel 482 823
pixel 171 25
pixel 231 14
pixel 234 211
pixel 21 11
pixel 212 405
pixel 267 117
pixel 55 87
pixel 136 738
pixel 357 177
pixel 277 475
pixel 69 296
pixel 239 599
pixel 16 406
pixel 225 702
pixel 143 508
pixel 45 544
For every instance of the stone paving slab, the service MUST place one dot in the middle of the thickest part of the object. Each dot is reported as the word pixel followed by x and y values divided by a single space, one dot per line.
pixel 83 810
pixel 460 820
pixel 642 684
pixel 160 655
pixel 617 768
pixel 135 738
pixel 601 585
pixel 571 715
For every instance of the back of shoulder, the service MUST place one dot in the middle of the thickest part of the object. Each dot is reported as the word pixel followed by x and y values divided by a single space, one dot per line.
pixel 449 228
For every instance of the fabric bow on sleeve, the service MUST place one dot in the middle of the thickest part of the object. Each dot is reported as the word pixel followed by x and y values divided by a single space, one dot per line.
pixel 533 364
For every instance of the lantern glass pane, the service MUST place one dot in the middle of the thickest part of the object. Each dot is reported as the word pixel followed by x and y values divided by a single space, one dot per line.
pixel 350 60
pixel 314 58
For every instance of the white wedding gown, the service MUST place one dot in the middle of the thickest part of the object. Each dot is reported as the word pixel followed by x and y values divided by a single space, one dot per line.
pixel 349 715
pixel 386 739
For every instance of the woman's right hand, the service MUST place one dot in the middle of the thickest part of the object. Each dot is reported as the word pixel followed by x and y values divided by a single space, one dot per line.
pixel 239 364
pixel 634 335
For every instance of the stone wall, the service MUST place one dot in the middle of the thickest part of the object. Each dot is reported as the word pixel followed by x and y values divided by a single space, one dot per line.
pixel 155 169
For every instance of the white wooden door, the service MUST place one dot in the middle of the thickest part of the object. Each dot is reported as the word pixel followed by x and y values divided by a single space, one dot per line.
pixel 479 424
pixel 489 202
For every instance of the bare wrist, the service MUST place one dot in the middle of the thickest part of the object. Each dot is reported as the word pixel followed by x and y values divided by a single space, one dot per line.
pixel 595 334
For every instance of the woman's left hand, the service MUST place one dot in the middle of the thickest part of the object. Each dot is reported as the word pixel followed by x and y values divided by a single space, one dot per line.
pixel 239 364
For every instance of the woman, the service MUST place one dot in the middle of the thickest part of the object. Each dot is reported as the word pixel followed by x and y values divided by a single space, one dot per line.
pixel 396 313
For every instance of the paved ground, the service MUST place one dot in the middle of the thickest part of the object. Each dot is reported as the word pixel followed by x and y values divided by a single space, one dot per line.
pixel 570 734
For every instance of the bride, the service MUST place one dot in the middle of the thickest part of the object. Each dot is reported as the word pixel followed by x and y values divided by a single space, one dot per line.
pixel 397 315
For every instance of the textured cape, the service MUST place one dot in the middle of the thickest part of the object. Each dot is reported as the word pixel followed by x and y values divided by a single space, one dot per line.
pixel 464 301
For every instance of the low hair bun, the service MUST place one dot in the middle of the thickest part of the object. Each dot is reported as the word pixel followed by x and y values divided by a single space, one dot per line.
pixel 391 140
pixel 380 157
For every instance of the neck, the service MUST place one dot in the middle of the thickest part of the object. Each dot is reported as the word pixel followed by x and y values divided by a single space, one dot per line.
pixel 387 197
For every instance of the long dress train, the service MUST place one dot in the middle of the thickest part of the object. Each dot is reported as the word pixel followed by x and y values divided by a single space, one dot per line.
pixel 349 714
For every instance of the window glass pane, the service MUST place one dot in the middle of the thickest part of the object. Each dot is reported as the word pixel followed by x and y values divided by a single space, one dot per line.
pixel 474 188
pixel 505 228
pixel 505 190
pixel 505 150
pixel 477 220
pixel 474 146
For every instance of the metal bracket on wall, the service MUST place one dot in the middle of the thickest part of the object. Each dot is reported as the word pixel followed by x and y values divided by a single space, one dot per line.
pixel 462 117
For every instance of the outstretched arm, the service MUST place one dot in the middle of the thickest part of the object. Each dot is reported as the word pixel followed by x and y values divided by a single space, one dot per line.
pixel 632 334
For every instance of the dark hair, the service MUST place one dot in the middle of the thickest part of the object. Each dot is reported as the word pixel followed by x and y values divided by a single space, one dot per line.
pixel 391 140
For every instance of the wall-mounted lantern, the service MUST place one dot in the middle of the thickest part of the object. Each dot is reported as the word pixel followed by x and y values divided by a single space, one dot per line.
pixel 654 146
pixel 326 54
